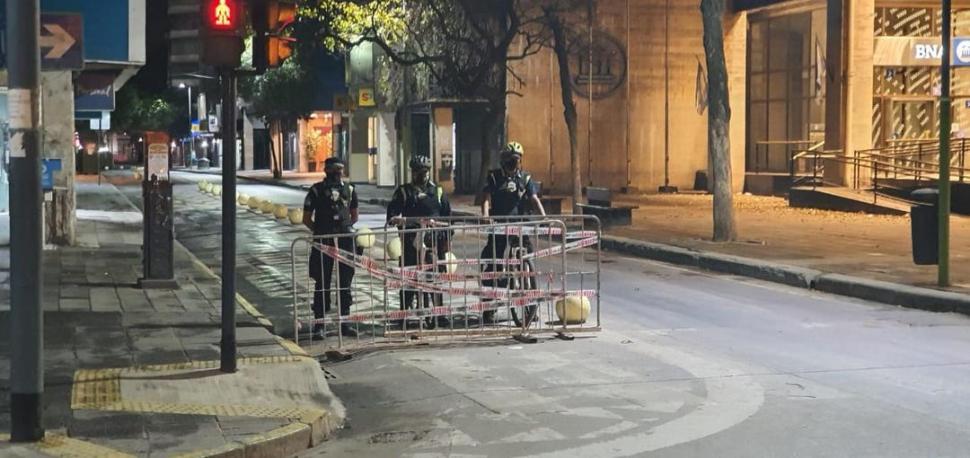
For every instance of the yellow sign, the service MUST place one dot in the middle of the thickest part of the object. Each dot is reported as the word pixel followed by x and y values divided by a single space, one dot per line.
pixel 365 97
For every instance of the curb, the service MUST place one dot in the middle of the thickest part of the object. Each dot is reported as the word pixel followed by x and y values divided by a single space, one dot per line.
pixel 843 285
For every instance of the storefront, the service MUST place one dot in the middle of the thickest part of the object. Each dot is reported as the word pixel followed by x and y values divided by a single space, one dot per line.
pixel 785 74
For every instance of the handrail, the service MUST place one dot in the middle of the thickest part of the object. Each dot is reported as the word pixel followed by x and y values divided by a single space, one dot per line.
pixel 762 150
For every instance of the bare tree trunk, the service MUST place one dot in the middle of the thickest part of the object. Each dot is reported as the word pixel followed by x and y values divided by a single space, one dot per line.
pixel 561 48
pixel 718 120
pixel 276 126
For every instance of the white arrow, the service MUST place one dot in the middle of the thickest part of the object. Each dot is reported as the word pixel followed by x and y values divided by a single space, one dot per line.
pixel 60 41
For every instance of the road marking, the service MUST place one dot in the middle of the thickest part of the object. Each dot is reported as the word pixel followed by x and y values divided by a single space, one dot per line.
pixel 730 401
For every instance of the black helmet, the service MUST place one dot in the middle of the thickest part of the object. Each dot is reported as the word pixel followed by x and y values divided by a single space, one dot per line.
pixel 420 162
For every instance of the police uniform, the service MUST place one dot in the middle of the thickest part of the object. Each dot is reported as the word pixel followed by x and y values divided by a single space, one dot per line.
pixel 330 203
pixel 419 201
pixel 511 194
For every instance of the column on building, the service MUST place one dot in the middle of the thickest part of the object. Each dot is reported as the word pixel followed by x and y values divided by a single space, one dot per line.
pixel 58 120
pixel 387 157
pixel 849 104
pixel 736 55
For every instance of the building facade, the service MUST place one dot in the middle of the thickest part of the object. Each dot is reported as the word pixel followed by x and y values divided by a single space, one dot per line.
pixel 834 75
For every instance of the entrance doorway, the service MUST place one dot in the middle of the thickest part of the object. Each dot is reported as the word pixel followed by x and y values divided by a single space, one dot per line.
pixel 910 118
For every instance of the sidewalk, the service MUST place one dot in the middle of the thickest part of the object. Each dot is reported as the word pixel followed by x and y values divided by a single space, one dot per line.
pixel 366 192
pixel 135 372
pixel 859 255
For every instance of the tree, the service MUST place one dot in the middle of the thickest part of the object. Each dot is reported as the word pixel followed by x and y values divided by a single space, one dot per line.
pixel 138 111
pixel 561 42
pixel 464 45
pixel 718 120
pixel 281 96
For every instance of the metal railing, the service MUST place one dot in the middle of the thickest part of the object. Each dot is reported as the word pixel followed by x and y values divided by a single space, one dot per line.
pixel 448 279
pixel 766 150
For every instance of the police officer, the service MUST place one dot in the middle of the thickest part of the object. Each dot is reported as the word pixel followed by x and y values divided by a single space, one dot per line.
pixel 421 198
pixel 509 191
pixel 330 209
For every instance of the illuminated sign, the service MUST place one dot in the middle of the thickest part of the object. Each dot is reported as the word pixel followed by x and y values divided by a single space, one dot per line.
pixel 223 14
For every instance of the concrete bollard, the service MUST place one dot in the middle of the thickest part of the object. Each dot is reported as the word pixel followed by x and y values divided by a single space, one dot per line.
pixel 243 200
pixel 573 309
pixel 296 216
pixel 217 190
pixel 266 207
pixel 254 203
pixel 394 249
pixel 281 211
pixel 365 237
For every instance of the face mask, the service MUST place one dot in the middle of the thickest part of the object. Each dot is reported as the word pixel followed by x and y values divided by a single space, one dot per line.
pixel 510 163
pixel 420 177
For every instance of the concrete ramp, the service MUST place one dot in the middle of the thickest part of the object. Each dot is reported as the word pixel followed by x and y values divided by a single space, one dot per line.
pixel 845 200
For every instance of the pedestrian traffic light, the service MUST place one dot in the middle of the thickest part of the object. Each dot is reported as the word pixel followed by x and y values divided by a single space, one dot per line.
pixel 222 32
pixel 271 46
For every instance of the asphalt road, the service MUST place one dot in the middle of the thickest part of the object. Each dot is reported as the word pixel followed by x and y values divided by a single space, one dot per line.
pixel 689 364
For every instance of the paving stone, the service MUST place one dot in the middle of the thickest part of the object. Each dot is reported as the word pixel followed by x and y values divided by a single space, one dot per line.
pixel 74 292
pixel 75 305
pixel 180 433
pixel 109 425
pixel 160 356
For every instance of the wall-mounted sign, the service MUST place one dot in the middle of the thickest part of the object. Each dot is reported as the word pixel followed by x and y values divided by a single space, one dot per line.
pixel 961 52
pixel 599 70
pixel 366 97
pixel 907 51
pixel 157 161
pixel 918 51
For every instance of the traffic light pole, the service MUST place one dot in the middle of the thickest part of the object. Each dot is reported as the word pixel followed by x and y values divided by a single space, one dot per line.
pixel 943 276
pixel 228 343
pixel 26 316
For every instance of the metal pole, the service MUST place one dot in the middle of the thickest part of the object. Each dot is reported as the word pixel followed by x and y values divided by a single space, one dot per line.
pixel 944 179
pixel 26 317
pixel 228 343
pixel 192 139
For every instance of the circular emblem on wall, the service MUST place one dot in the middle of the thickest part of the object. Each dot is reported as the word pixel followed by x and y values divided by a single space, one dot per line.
pixel 962 52
pixel 599 69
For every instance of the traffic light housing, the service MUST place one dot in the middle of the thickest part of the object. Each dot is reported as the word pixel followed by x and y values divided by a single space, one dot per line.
pixel 222 32
pixel 270 44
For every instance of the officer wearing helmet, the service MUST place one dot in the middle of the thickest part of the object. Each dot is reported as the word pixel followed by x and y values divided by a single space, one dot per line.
pixel 421 198
pixel 509 191
pixel 331 209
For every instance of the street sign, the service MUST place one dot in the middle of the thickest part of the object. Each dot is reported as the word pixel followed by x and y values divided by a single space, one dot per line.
pixel 47 169
pixel 61 41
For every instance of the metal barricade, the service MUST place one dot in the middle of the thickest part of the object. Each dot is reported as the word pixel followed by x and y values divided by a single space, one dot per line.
pixel 448 279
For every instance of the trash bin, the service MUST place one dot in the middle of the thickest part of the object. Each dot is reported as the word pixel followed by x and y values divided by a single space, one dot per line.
pixel 204 163
pixel 925 226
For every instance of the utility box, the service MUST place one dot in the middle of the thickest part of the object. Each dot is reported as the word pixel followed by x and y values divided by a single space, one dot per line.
pixel 158 244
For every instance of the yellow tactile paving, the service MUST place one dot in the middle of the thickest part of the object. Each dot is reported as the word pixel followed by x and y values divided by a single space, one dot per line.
pixel 292 347
pixel 60 446
pixel 210 409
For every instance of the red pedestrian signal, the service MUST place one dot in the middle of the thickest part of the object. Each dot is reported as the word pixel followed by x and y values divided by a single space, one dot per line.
pixel 221 37
pixel 223 15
